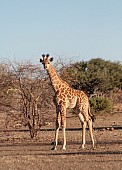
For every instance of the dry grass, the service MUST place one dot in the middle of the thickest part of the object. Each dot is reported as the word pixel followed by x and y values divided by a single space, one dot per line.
pixel 19 152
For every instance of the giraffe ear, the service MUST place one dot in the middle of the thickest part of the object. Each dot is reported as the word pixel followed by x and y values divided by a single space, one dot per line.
pixel 41 60
pixel 43 55
pixel 47 55
pixel 51 59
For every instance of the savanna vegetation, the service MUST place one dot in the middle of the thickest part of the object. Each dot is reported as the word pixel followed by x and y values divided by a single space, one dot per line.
pixel 27 97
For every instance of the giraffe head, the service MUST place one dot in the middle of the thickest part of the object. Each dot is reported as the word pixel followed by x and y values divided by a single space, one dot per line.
pixel 46 61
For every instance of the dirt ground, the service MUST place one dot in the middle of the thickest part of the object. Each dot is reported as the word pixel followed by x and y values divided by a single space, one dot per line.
pixel 19 152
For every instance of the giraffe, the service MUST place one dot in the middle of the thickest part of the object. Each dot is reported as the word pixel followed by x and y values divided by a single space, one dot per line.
pixel 67 97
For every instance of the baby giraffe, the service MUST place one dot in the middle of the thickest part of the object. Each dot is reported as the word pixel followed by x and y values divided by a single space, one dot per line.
pixel 67 97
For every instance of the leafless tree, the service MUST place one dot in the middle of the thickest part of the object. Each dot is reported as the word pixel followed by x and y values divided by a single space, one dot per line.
pixel 25 89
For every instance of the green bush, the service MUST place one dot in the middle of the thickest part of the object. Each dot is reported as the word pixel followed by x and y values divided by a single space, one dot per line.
pixel 96 74
pixel 100 104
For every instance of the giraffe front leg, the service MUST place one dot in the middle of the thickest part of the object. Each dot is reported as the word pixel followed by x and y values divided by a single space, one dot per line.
pixel 63 124
pixel 64 135
pixel 56 139
pixel 56 135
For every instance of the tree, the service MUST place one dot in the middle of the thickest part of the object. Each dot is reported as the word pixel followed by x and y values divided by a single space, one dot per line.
pixel 24 88
pixel 96 75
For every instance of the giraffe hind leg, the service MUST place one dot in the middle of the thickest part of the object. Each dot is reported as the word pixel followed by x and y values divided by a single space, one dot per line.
pixel 91 132
pixel 83 122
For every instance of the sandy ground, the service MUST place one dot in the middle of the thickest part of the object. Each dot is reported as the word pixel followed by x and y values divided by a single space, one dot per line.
pixel 19 152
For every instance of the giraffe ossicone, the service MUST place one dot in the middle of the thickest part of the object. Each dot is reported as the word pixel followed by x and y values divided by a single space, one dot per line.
pixel 67 97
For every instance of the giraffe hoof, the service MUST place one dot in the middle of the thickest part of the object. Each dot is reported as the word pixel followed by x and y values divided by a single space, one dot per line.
pixel 52 143
pixel 54 149
pixel 82 147
pixel 63 148
pixel 93 148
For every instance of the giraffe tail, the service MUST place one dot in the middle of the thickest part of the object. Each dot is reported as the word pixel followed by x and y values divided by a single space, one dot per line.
pixel 91 115
pixel 93 118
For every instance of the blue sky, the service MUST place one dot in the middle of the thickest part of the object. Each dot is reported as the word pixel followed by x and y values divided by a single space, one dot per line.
pixel 69 29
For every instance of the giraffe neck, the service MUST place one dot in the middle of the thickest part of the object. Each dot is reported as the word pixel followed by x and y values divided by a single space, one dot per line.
pixel 55 79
